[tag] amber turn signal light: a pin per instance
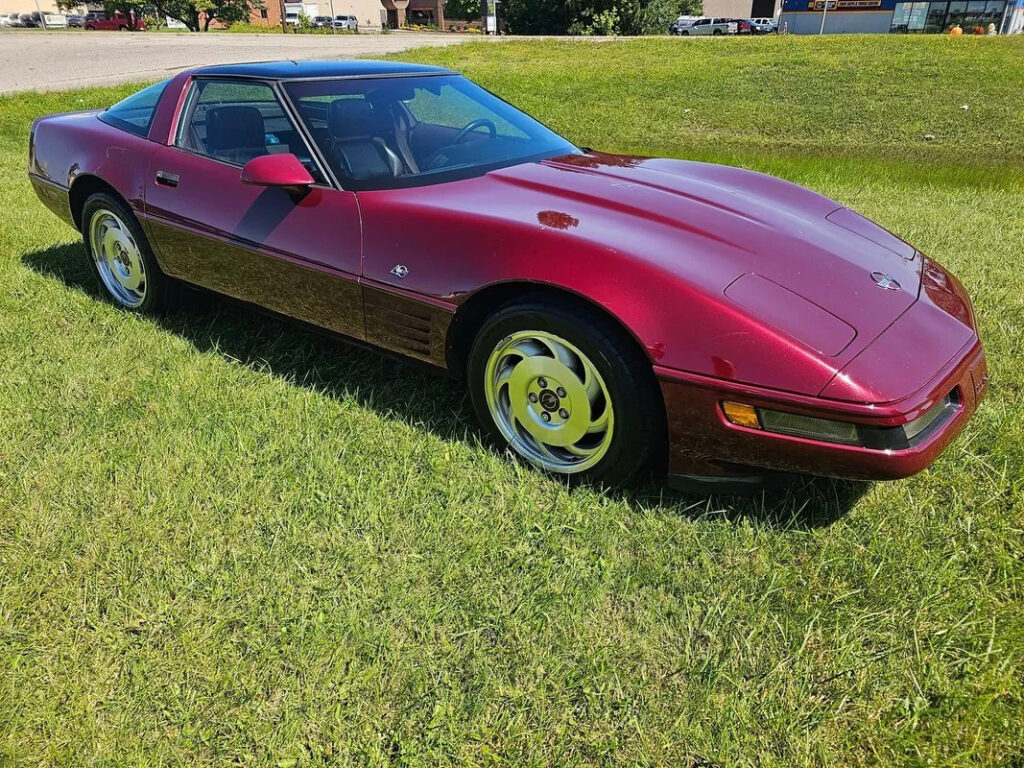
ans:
(741, 415)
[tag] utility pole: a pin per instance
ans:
(824, 12)
(334, 29)
(284, 23)
(42, 19)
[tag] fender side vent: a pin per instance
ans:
(406, 326)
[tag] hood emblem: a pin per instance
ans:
(400, 271)
(886, 281)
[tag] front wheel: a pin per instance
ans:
(567, 390)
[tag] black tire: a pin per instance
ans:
(717, 32)
(158, 287)
(685, 33)
(638, 436)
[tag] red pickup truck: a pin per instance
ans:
(116, 20)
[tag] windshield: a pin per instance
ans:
(384, 133)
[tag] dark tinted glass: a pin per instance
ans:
(135, 114)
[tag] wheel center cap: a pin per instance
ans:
(548, 400)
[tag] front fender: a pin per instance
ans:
(455, 242)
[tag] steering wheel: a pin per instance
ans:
(468, 128)
(480, 122)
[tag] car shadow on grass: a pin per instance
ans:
(417, 396)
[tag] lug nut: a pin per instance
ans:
(542, 382)
(533, 397)
(563, 413)
(560, 391)
(546, 416)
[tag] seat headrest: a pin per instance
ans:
(354, 119)
(234, 127)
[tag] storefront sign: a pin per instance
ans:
(843, 5)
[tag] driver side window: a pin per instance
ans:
(236, 121)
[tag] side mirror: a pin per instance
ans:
(282, 170)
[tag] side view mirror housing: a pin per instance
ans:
(282, 170)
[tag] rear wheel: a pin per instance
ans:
(567, 390)
(121, 258)
(717, 32)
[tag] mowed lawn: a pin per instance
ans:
(228, 541)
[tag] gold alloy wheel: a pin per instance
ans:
(118, 258)
(549, 401)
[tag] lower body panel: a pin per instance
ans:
(705, 447)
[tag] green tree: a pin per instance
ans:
(195, 14)
(655, 16)
(626, 17)
(463, 10)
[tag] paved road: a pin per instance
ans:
(51, 61)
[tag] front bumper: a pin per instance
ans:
(705, 447)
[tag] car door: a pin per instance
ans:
(295, 253)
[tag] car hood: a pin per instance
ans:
(799, 261)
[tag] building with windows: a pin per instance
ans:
(8, 7)
(426, 12)
(367, 12)
(928, 16)
(371, 14)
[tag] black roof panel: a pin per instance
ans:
(284, 70)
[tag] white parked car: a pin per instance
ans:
(346, 22)
(682, 23)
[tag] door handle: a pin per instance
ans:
(166, 179)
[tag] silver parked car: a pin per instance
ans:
(346, 22)
(766, 22)
(711, 26)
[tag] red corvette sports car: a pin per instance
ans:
(608, 313)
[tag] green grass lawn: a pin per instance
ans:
(226, 541)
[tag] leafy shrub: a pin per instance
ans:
(604, 23)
